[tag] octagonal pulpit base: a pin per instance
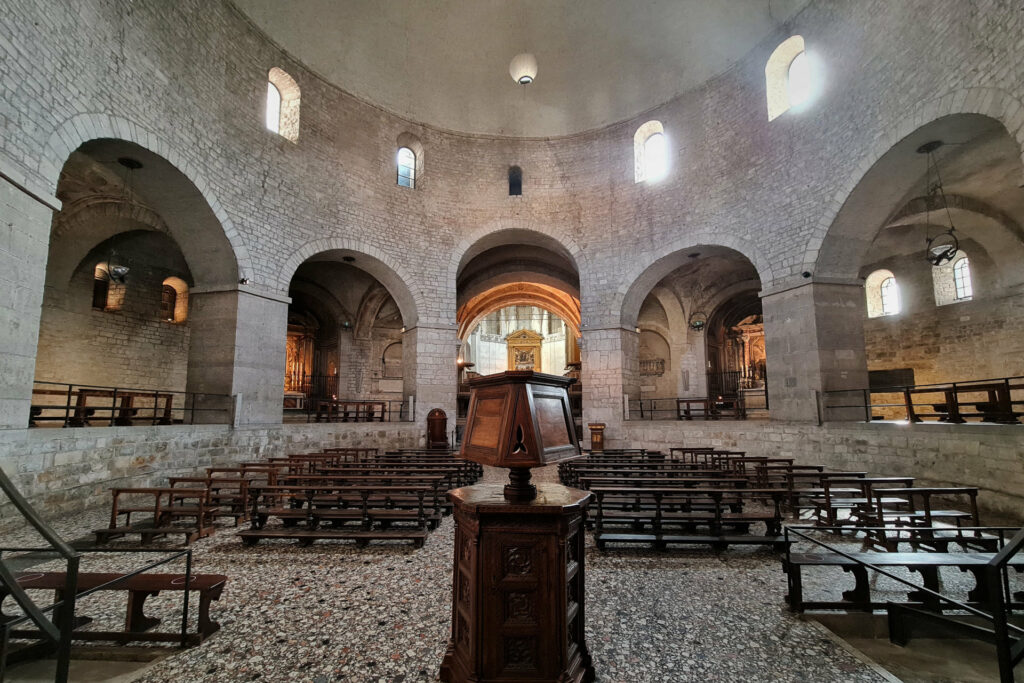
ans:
(518, 590)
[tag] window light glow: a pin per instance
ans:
(406, 168)
(273, 108)
(655, 157)
(800, 81)
(962, 279)
(890, 296)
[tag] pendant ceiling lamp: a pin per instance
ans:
(943, 247)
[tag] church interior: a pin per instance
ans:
(535, 340)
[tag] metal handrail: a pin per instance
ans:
(955, 603)
(996, 575)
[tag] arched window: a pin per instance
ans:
(409, 161)
(515, 181)
(100, 288)
(890, 293)
(962, 279)
(282, 112)
(790, 80)
(174, 300)
(650, 152)
(406, 167)
(273, 108)
(952, 282)
(882, 292)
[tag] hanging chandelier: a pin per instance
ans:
(943, 247)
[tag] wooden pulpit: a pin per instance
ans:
(518, 585)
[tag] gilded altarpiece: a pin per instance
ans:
(524, 350)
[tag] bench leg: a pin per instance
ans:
(796, 588)
(206, 625)
(137, 621)
(930, 578)
(980, 592)
(860, 596)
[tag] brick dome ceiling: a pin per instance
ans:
(446, 62)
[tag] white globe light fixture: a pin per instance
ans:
(523, 68)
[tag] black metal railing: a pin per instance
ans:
(1009, 638)
(356, 410)
(91, 405)
(56, 622)
(689, 408)
(999, 400)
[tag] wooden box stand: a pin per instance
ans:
(518, 591)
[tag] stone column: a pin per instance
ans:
(610, 360)
(434, 346)
(237, 346)
(814, 340)
(25, 235)
(693, 359)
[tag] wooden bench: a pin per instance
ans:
(659, 515)
(139, 588)
(859, 597)
(916, 516)
(302, 510)
(230, 495)
(167, 505)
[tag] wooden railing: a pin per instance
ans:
(999, 400)
(87, 405)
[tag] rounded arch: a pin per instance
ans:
(876, 305)
(519, 294)
(826, 252)
(512, 232)
(389, 272)
(92, 223)
(642, 278)
(85, 127)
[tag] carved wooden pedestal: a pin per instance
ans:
(517, 600)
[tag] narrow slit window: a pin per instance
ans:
(800, 80)
(406, 168)
(515, 181)
(273, 108)
(100, 289)
(655, 157)
(962, 279)
(168, 301)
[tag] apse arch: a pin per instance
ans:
(639, 282)
(389, 272)
(827, 251)
(489, 237)
(190, 185)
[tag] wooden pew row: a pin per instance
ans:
(167, 505)
(666, 515)
(303, 510)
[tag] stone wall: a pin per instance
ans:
(129, 346)
(990, 457)
(65, 471)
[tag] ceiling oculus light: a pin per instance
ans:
(523, 68)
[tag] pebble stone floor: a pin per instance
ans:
(332, 612)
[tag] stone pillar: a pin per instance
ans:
(25, 236)
(693, 359)
(610, 365)
(237, 346)
(434, 348)
(814, 339)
